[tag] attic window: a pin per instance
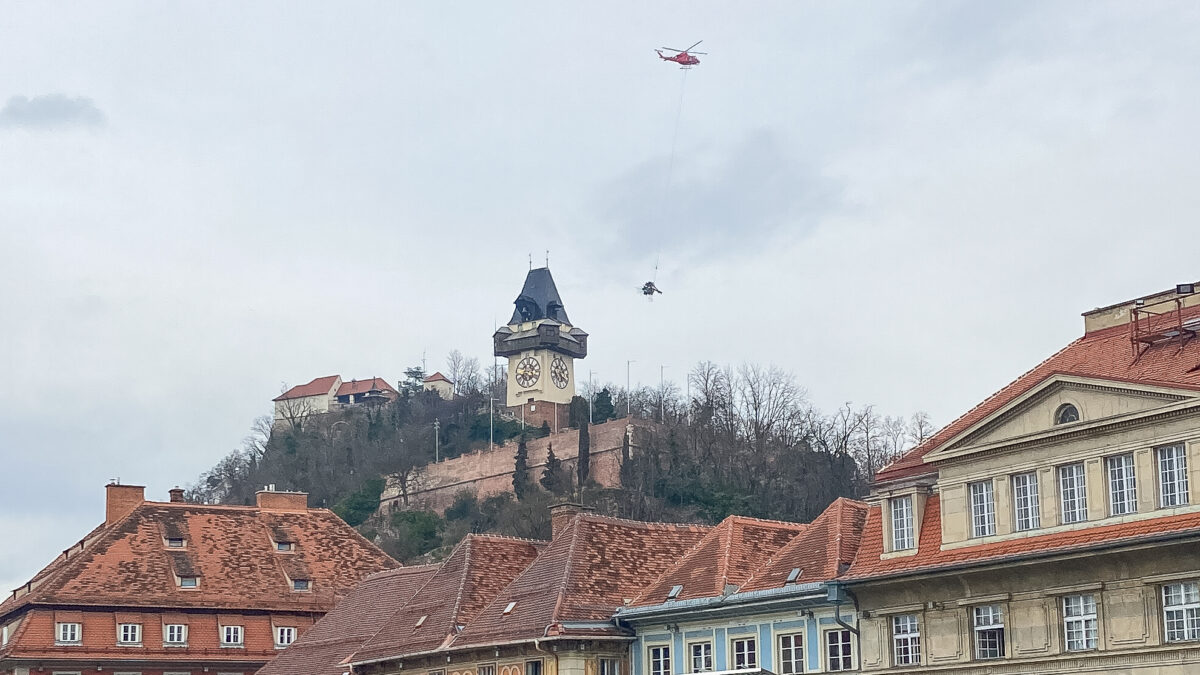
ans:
(793, 575)
(175, 542)
(284, 546)
(189, 582)
(1066, 414)
(421, 621)
(509, 608)
(301, 585)
(675, 591)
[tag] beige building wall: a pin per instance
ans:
(576, 657)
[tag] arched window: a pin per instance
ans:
(1066, 413)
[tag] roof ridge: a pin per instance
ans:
(507, 537)
(575, 524)
(645, 524)
(462, 582)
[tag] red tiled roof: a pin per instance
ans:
(822, 552)
(323, 648)
(726, 556)
(363, 386)
(230, 549)
(929, 556)
(593, 565)
(319, 386)
(1103, 354)
(438, 377)
(480, 567)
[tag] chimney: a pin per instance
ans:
(121, 500)
(176, 495)
(269, 499)
(562, 514)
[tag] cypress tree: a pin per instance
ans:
(520, 479)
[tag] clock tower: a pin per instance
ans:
(541, 346)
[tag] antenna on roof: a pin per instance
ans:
(531, 261)
(547, 258)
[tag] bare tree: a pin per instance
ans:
(294, 411)
(920, 427)
(454, 368)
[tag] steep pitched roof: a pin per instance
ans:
(590, 568)
(930, 557)
(230, 550)
(824, 551)
(1103, 354)
(319, 386)
(474, 574)
(726, 556)
(437, 377)
(539, 299)
(324, 647)
(363, 386)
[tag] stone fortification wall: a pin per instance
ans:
(490, 472)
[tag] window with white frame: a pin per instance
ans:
(902, 523)
(906, 640)
(4, 636)
(791, 653)
(1026, 506)
(129, 633)
(487, 669)
(610, 667)
(175, 634)
(837, 650)
(1072, 493)
(1122, 485)
(988, 623)
(67, 633)
(702, 657)
(1172, 475)
(284, 635)
(231, 636)
(1079, 622)
(745, 653)
(983, 509)
(660, 660)
(1181, 611)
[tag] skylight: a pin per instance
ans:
(508, 609)
(421, 621)
(675, 591)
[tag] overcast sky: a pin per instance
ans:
(904, 204)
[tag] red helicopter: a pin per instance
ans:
(684, 57)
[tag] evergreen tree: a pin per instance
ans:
(520, 479)
(583, 467)
(602, 407)
(554, 478)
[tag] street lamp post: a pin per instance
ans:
(437, 441)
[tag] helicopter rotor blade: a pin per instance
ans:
(693, 46)
(700, 53)
(672, 49)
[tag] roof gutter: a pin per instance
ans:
(710, 604)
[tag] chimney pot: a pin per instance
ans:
(562, 514)
(176, 495)
(121, 500)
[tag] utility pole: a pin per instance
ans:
(437, 441)
(591, 396)
(628, 392)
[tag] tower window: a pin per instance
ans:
(1066, 414)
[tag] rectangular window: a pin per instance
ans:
(791, 654)
(175, 634)
(1122, 485)
(301, 585)
(129, 633)
(284, 546)
(906, 640)
(702, 657)
(837, 650)
(533, 668)
(745, 653)
(284, 635)
(983, 509)
(1079, 622)
(231, 636)
(989, 632)
(1028, 509)
(487, 669)
(1181, 611)
(67, 633)
(610, 667)
(1172, 476)
(188, 582)
(1072, 493)
(902, 523)
(660, 660)
(174, 542)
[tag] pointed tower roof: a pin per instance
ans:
(539, 299)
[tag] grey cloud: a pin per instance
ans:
(50, 111)
(757, 188)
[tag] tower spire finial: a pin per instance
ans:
(531, 261)
(547, 258)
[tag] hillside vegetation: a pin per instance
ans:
(746, 442)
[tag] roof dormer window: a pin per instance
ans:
(189, 582)
(1066, 414)
(285, 546)
(175, 542)
(301, 585)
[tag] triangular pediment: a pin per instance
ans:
(1034, 412)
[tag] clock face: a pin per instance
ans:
(529, 371)
(559, 374)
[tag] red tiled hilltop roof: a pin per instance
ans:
(930, 558)
(480, 567)
(824, 551)
(319, 386)
(589, 570)
(726, 556)
(355, 387)
(323, 648)
(1103, 354)
(437, 377)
